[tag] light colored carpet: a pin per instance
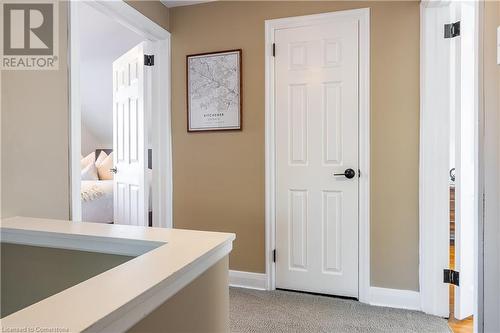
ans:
(281, 311)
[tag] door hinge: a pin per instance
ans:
(274, 49)
(452, 30)
(451, 277)
(274, 255)
(149, 60)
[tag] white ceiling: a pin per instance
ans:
(171, 4)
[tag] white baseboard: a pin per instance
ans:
(395, 298)
(248, 280)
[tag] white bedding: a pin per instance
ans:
(97, 200)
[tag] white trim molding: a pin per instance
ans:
(248, 280)
(162, 186)
(128, 16)
(363, 17)
(437, 79)
(434, 160)
(395, 298)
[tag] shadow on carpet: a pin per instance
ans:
(281, 311)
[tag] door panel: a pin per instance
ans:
(298, 229)
(332, 154)
(298, 124)
(129, 138)
(332, 231)
(316, 75)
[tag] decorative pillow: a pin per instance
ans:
(103, 168)
(89, 159)
(90, 172)
(100, 158)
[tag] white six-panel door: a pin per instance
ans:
(129, 138)
(316, 76)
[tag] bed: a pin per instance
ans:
(97, 201)
(97, 196)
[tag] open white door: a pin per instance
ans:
(466, 160)
(130, 105)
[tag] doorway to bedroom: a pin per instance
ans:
(103, 42)
(120, 132)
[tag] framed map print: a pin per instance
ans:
(214, 91)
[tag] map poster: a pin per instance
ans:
(214, 91)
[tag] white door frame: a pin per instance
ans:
(363, 17)
(126, 15)
(434, 207)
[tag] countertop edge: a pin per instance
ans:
(197, 250)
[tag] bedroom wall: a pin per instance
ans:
(34, 131)
(90, 142)
(219, 177)
(102, 41)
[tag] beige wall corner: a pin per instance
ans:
(491, 99)
(201, 306)
(34, 151)
(154, 10)
(219, 177)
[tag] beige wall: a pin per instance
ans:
(154, 10)
(219, 177)
(35, 177)
(202, 306)
(34, 138)
(491, 233)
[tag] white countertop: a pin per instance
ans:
(118, 298)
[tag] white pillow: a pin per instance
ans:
(100, 158)
(89, 159)
(103, 168)
(90, 172)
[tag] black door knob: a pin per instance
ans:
(348, 173)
